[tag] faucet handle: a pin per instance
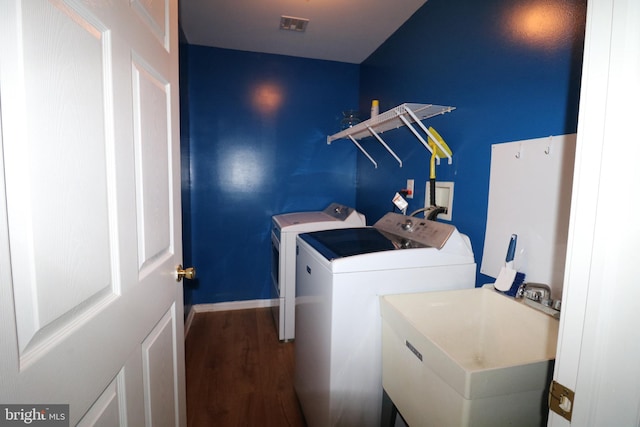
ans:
(547, 302)
(538, 292)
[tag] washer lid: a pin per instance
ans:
(335, 215)
(301, 218)
(346, 242)
(393, 231)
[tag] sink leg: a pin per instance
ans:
(389, 411)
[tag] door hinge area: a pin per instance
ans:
(561, 400)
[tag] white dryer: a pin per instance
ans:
(285, 228)
(340, 275)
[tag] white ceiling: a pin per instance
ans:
(338, 30)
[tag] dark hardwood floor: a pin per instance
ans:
(238, 373)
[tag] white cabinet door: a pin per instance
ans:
(598, 347)
(91, 314)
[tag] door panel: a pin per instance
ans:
(110, 408)
(154, 14)
(90, 310)
(58, 202)
(153, 180)
(158, 355)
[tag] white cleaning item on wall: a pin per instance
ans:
(507, 274)
(530, 195)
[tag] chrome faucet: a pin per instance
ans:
(539, 295)
(538, 292)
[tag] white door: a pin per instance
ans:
(599, 345)
(91, 314)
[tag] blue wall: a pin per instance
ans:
(255, 127)
(507, 81)
(257, 138)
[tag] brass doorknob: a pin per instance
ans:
(187, 273)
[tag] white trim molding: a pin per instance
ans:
(226, 306)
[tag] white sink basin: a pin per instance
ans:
(466, 358)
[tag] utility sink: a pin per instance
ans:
(470, 357)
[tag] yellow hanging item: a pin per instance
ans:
(436, 150)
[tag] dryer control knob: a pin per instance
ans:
(408, 225)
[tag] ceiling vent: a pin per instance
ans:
(293, 24)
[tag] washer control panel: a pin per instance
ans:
(338, 211)
(411, 232)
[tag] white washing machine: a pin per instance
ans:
(284, 230)
(340, 275)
